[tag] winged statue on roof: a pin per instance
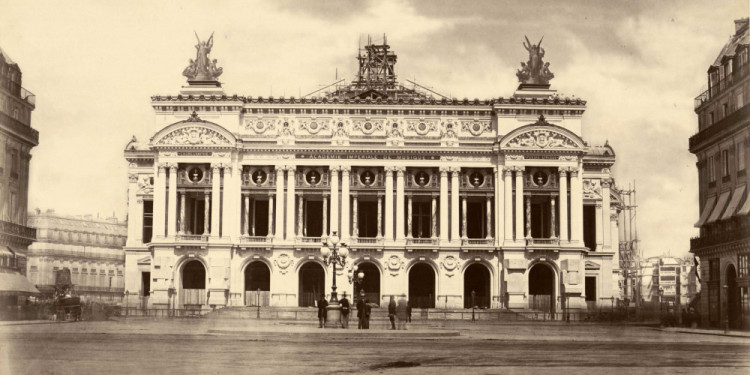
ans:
(203, 68)
(534, 71)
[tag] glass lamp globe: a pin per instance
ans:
(344, 252)
(325, 251)
(361, 275)
(333, 240)
(355, 268)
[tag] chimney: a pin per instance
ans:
(740, 24)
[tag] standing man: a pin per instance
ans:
(345, 308)
(322, 313)
(401, 312)
(361, 311)
(368, 310)
(392, 312)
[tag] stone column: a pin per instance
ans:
(409, 223)
(599, 227)
(607, 234)
(519, 203)
(325, 216)
(335, 198)
(508, 212)
(252, 218)
(433, 218)
(290, 203)
(563, 174)
(206, 213)
(270, 215)
(552, 216)
(499, 206)
(615, 241)
(160, 200)
(463, 218)
(576, 207)
(228, 203)
(133, 228)
(380, 216)
(444, 204)
(279, 211)
(300, 227)
(355, 224)
(172, 201)
(400, 203)
(345, 211)
(528, 217)
(388, 203)
(247, 215)
(455, 173)
(489, 217)
(216, 199)
(182, 213)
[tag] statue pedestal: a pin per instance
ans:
(333, 314)
(533, 91)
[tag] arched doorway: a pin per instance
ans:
(312, 278)
(257, 284)
(477, 279)
(542, 288)
(734, 314)
(193, 288)
(370, 283)
(422, 286)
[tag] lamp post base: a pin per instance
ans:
(333, 315)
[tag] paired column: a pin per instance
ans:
(409, 219)
(355, 227)
(455, 173)
(172, 200)
(519, 203)
(489, 217)
(552, 216)
(345, 218)
(216, 198)
(400, 203)
(599, 227)
(563, 204)
(508, 220)
(279, 214)
(433, 219)
(270, 215)
(576, 207)
(463, 217)
(380, 216)
(182, 213)
(300, 227)
(528, 217)
(290, 204)
(230, 206)
(206, 213)
(247, 215)
(133, 209)
(389, 203)
(325, 215)
(335, 198)
(499, 205)
(443, 204)
(607, 235)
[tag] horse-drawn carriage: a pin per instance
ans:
(66, 307)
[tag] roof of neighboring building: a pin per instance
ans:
(740, 37)
(88, 224)
(6, 57)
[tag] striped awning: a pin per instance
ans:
(734, 202)
(745, 207)
(16, 284)
(706, 211)
(723, 198)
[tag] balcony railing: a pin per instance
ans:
(19, 127)
(18, 230)
(28, 96)
(726, 123)
(732, 230)
(722, 85)
(256, 239)
(476, 241)
(311, 240)
(422, 241)
(367, 240)
(542, 242)
(191, 237)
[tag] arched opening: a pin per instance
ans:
(542, 288)
(312, 278)
(257, 284)
(422, 286)
(370, 283)
(734, 312)
(193, 288)
(477, 280)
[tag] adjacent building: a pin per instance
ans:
(17, 138)
(667, 279)
(722, 147)
(434, 197)
(92, 249)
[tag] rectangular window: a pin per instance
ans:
(739, 99)
(711, 118)
(589, 226)
(148, 220)
(725, 162)
(740, 154)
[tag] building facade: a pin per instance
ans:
(91, 249)
(17, 138)
(668, 279)
(435, 197)
(722, 147)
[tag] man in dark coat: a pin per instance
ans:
(322, 313)
(345, 308)
(360, 313)
(368, 310)
(392, 312)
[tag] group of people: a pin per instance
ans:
(400, 311)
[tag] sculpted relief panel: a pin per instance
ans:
(194, 135)
(541, 139)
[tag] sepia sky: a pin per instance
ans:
(94, 66)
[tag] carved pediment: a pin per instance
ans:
(542, 135)
(194, 136)
(591, 265)
(145, 261)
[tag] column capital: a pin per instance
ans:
(290, 168)
(599, 204)
(573, 171)
(519, 169)
(271, 194)
(388, 171)
(172, 167)
(162, 165)
(444, 169)
(345, 169)
(216, 166)
(133, 178)
(334, 168)
(606, 183)
(508, 171)
(279, 168)
(400, 171)
(563, 171)
(455, 169)
(614, 217)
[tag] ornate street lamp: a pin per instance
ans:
(357, 278)
(334, 253)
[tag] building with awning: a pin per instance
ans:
(722, 147)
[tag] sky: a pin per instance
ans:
(639, 64)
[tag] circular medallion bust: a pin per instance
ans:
(422, 178)
(476, 179)
(312, 177)
(259, 177)
(195, 175)
(367, 178)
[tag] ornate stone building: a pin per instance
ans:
(91, 249)
(722, 147)
(435, 197)
(17, 138)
